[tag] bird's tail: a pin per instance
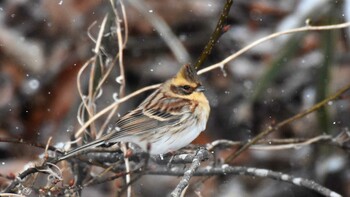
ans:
(81, 148)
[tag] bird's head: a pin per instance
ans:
(186, 84)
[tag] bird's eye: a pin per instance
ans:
(186, 87)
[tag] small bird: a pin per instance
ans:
(167, 120)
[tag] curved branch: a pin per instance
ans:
(269, 37)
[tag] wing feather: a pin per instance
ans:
(151, 118)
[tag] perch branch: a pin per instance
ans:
(248, 171)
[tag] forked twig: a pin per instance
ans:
(182, 185)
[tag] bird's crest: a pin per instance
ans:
(188, 73)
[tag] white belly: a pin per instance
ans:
(171, 142)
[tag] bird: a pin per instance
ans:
(168, 119)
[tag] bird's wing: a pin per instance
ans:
(151, 116)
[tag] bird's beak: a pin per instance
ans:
(200, 88)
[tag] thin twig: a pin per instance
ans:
(90, 107)
(125, 20)
(111, 114)
(47, 147)
(121, 45)
(142, 170)
(269, 37)
(293, 145)
(100, 35)
(272, 144)
(110, 107)
(10, 194)
(84, 104)
(99, 181)
(219, 30)
(38, 145)
(127, 168)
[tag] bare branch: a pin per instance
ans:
(180, 188)
(247, 171)
(219, 30)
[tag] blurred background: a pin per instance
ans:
(43, 44)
